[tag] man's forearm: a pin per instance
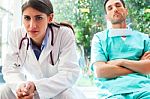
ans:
(142, 66)
(104, 70)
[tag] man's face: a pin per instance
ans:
(116, 13)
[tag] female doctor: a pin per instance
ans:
(41, 62)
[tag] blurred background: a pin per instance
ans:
(87, 18)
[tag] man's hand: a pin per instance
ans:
(146, 56)
(26, 91)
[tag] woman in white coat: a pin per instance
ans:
(41, 62)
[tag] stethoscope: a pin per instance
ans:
(25, 38)
(57, 25)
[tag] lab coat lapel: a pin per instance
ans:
(32, 56)
(32, 63)
(46, 51)
(30, 51)
(34, 66)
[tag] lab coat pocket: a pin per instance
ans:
(53, 69)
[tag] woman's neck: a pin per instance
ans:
(37, 42)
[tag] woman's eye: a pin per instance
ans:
(39, 18)
(27, 18)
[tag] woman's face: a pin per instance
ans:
(36, 23)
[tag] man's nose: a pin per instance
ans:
(115, 9)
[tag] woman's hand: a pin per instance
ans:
(26, 91)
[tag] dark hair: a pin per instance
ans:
(108, 0)
(44, 6)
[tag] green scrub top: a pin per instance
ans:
(107, 46)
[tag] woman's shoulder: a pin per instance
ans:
(63, 27)
(66, 32)
(19, 31)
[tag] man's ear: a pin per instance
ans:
(106, 17)
(50, 17)
(126, 11)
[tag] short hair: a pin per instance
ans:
(108, 0)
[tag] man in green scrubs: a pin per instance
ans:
(120, 57)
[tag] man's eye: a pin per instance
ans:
(109, 8)
(27, 18)
(118, 5)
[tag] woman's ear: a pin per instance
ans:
(50, 17)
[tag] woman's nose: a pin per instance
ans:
(32, 24)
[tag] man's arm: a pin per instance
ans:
(106, 70)
(120, 67)
(142, 66)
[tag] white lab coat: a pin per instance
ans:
(49, 80)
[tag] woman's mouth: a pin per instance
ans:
(32, 31)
